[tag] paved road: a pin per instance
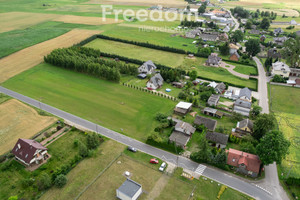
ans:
(230, 69)
(271, 182)
(209, 172)
(237, 24)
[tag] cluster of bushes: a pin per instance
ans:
(170, 75)
(144, 44)
(192, 24)
(293, 181)
(240, 12)
(279, 79)
(87, 60)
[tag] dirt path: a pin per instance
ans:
(231, 70)
(159, 186)
(25, 59)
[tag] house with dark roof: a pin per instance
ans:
(245, 163)
(213, 100)
(193, 33)
(243, 107)
(147, 68)
(155, 82)
(210, 124)
(255, 32)
(278, 31)
(244, 127)
(274, 53)
(219, 139)
(213, 60)
(182, 108)
(129, 190)
(280, 40)
(220, 88)
(212, 112)
(182, 133)
(29, 152)
(209, 36)
(245, 94)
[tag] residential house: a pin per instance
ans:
(210, 124)
(182, 133)
(226, 29)
(129, 190)
(254, 32)
(213, 100)
(274, 53)
(245, 94)
(245, 163)
(293, 22)
(278, 31)
(192, 33)
(280, 68)
(213, 60)
(182, 108)
(223, 37)
(295, 72)
(244, 127)
(29, 152)
(209, 36)
(212, 112)
(280, 40)
(243, 107)
(219, 139)
(219, 13)
(147, 68)
(155, 82)
(220, 88)
(233, 48)
(177, 84)
(212, 84)
(234, 57)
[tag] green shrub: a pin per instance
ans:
(44, 182)
(60, 181)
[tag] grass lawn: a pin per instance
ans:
(110, 104)
(88, 170)
(288, 118)
(16, 40)
(244, 69)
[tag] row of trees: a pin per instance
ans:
(191, 24)
(88, 60)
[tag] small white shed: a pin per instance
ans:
(129, 190)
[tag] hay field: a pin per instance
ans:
(72, 19)
(18, 120)
(169, 3)
(31, 56)
(20, 20)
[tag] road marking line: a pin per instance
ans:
(200, 169)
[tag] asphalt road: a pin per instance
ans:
(209, 172)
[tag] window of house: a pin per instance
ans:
(233, 160)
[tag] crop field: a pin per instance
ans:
(20, 20)
(86, 20)
(112, 105)
(177, 3)
(288, 118)
(25, 59)
(171, 59)
(18, 120)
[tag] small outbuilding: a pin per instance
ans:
(182, 108)
(210, 124)
(129, 190)
(213, 100)
(219, 139)
(212, 112)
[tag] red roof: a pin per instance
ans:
(26, 148)
(236, 158)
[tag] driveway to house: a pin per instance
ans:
(231, 70)
(271, 181)
(239, 184)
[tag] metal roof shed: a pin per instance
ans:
(129, 190)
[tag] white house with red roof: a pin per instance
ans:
(246, 163)
(29, 151)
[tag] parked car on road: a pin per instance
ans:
(154, 161)
(132, 149)
(162, 167)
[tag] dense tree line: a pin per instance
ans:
(88, 60)
(240, 12)
(186, 23)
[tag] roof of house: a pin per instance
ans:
(236, 158)
(226, 29)
(213, 59)
(220, 87)
(149, 65)
(254, 31)
(233, 46)
(210, 110)
(280, 39)
(184, 127)
(236, 54)
(212, 84)
(298, 33)
(280, 66)
(210, 124)
(278, 30)
(217, 137)
(129, 188)
(184, 105)
(213, 99)
(206, 36)
(157, 80)
(245, 123)
(245, 92)
(242, 103)
(26, 148)
(179, 138)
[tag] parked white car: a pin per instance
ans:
(162, 167)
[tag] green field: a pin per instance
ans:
(109, 104)
(244, 69)
(284, 103)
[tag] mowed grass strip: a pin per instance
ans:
(20, 20)
(110, 104)
(25, 59)
(18, 120)
(86, 20)
(86, 171)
